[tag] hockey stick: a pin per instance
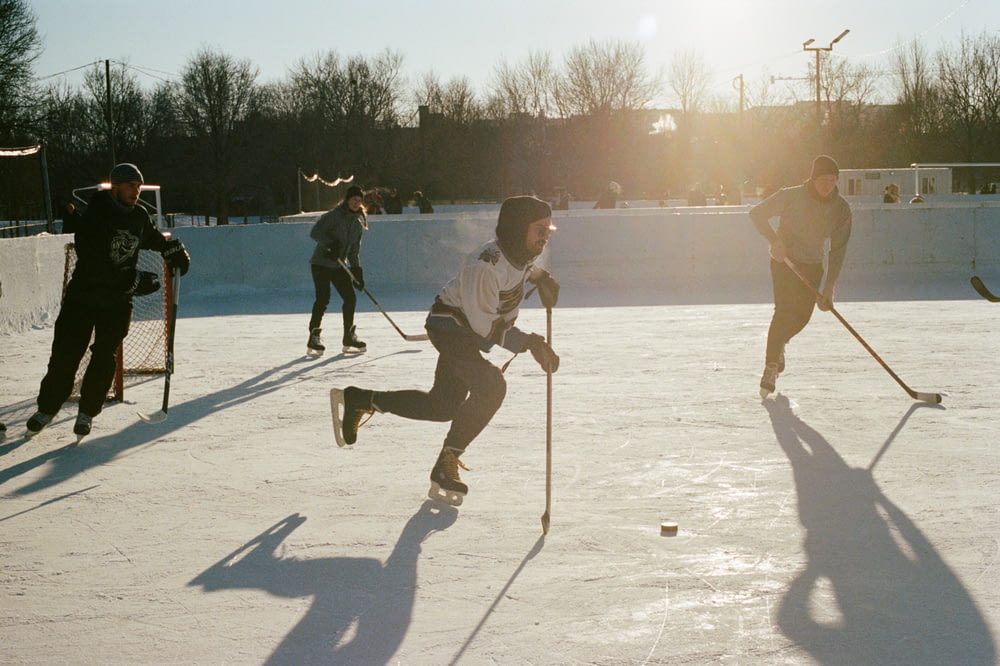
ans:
(916, 395)
(161, 416)
(548, 428)
(412, 338)
(981, 289)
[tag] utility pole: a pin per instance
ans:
(816, 50)
(111, 121)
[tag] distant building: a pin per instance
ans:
(872, 182)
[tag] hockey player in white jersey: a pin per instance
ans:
(474, 311)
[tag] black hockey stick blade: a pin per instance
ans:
(934, 398)
(416, 337)
(982, 290)
(161, 415)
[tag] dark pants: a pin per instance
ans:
(322, 278)
(793, 305)
(468, 390)
(76, 322)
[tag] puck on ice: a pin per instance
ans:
(668, 528)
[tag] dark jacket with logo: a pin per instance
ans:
(108, 241)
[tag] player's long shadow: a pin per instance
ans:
(68, 461)
(874, 590)
(361, 607)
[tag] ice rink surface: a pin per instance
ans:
(838, 523)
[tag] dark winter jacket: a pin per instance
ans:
(108, 240)
(805, 221)
(338, 236)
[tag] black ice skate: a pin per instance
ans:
(768, 379)
(446, 486)
(38, 421)
(82, 426)
(315, 345)
(352, 345)
(348, 406)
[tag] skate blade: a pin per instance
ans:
(444, 496)
(314, 353)
(336, 407)
(764, 393)
(354, 350)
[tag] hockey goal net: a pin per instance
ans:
(144, 349)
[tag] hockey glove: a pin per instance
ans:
(176, 256)
(544, 356)
(143, 284)
(359, 277)
(548, 289)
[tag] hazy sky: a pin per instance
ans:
(757, 38)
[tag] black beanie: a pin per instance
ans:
(125, 172)
(516, 214)
(824, 165)
(354, 191)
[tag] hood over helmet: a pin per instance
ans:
(516, 214)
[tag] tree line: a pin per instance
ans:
(223, 144)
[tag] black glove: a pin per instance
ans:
(143, 284)
(548, 289)
(543, 353)
(359, 277)
(176, 256)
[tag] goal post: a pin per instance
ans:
(144, 349)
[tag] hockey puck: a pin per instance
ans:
(668, 528)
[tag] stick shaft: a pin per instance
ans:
(548, 430)
(384, 313)
(925, 397)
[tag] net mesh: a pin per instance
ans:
(144, 350)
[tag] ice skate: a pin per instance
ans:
(348, 406)
(446, 486)
(315, 346)
(768, 379)
(353, 345)
(38, 421)
(82, 426)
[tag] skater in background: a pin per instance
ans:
(99, 296)
(609, 197)
(891, 193)
(808, 215)
(338, 235)
(475, 311)
(422, 203)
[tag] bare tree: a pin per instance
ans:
(218, 95)
(918, 100)
(455, 100)
(524, 88)
(127, 122)
(20, 46)
(601, 78)
(689, 79)
(969, 77)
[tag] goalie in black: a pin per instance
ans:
(99, 296)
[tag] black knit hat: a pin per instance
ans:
(516, 214)
(824, 165)
(124, 173)
(354, 191)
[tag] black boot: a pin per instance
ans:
(315, 344)
(352, 345)
(445, 482)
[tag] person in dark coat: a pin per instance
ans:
(99, 295)
(338, 235)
